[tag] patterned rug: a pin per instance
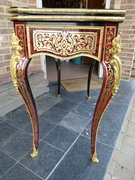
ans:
(80, 84)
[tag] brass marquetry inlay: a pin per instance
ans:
(64, 26)
(20, 28)
(65, 42)
(110, 32)
(64, 10)
(66, 18)
(65, 34)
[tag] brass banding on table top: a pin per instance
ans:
(65, 11)
(67, 18)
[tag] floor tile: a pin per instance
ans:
(66, 105)
(6, 131)
(53, 90)
(1, 120)
(17, 145)
(74, 122)
(63, 92)
(110, 126)
(54, 115)
(60, 137)
(90, 102)
(87, 130)
(47, 121)
(125, 92)
(18, 118)
(45, 161)
(77, 96)
(77, 165)
(94, 93)
(113, 117)
(84, 110)
(19, 172)
(6, 162)
(45, 126)
(45, 102)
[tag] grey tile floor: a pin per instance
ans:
(64, 130)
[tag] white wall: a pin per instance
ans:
(39, 3)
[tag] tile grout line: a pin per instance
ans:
(66, 152)
(9, 169)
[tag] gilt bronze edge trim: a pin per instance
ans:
(65, 10)
(64, 27)
(64, 58)
(67, 18)
(100, 43)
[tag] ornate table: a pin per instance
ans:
(64, 34)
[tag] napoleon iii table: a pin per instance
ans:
(64, 34)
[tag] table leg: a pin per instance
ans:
(18, 69)
(91, 66)
(112, 75)
(57, 61)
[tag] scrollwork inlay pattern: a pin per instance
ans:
(20, 29)
(65, 43)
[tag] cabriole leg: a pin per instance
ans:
(18, 69)
(112, 75)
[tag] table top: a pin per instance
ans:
(66, 14)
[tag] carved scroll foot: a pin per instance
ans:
(34, 153)
(94, 158)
